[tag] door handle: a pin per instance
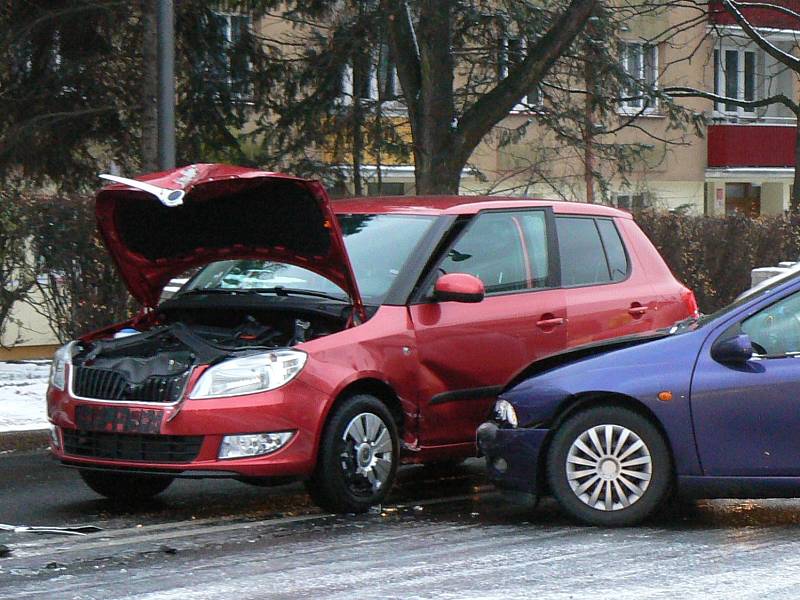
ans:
(637, 311)
(551, 322)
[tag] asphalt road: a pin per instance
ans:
(443, 535)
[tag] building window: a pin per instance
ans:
(380, 81)
(743, 199)
(735, 76)
(385, 189)
(228, 65)
(513, 51)
(640, 62)
(633, 202)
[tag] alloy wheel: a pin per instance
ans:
(367, 455)
(609, 467)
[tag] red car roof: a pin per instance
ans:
(464, 205)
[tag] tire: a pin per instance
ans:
(358, 457)
(122, 486)
(590, 481)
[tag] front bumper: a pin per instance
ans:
(512, 456)
(199, 425)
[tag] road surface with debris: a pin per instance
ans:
(444, 534)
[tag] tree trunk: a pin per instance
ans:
(437, 170)
(360, 78)
(149, 141)
(794, 203)
(437, 177)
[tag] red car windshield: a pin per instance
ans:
(378, 246)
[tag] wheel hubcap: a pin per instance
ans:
(367, 455)
(609, 467)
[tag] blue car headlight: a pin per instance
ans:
(504, 413)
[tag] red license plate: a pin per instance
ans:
(118, 419)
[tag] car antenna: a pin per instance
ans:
(166, 196)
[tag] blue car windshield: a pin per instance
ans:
(745, 297)
(378, 246)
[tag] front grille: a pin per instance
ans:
(133, 447)
(105, 384)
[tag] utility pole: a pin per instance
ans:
(149, 97)
(166, 84)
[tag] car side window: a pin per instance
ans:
(775, 330)
(615, 250)
(534, 232)
(505, 250)
(583, 258)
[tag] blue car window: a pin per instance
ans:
(775, 330)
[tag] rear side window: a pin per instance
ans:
(583, 256)
(615, 251)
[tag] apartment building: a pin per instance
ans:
(742, 162)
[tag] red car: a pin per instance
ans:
(331, 342)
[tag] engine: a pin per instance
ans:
(154, 365)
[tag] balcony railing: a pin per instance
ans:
(751, 145)
(758, 17)
(720, 118)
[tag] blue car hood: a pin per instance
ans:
(562, 358)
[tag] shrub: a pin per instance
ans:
(17, 276)
(78, 285)
(714, 256)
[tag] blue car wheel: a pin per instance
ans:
(609, 466)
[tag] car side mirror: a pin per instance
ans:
(736, 349)
(458, 287)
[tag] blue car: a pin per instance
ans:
(709, 408)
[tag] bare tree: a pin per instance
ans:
(443, 140)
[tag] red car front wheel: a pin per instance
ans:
(358, 456)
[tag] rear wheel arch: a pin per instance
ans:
(584, 401)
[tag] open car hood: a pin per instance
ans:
(224, 212)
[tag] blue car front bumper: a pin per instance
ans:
(512, 456)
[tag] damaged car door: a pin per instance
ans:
(468, 350)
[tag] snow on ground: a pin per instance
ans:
(22, 395)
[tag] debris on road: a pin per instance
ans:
(76, 530)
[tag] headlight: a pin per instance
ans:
(250, 374)
(58, 369)
(258, 444)
(505, 413)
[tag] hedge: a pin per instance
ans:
(714, 255)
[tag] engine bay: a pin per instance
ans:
(154, 365)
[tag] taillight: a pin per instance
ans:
(691, 303)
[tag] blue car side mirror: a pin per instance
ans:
(736, 349)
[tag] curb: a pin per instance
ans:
(17, 441)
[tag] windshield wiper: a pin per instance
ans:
(197, 291)
(284, 291)
(277, 290)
